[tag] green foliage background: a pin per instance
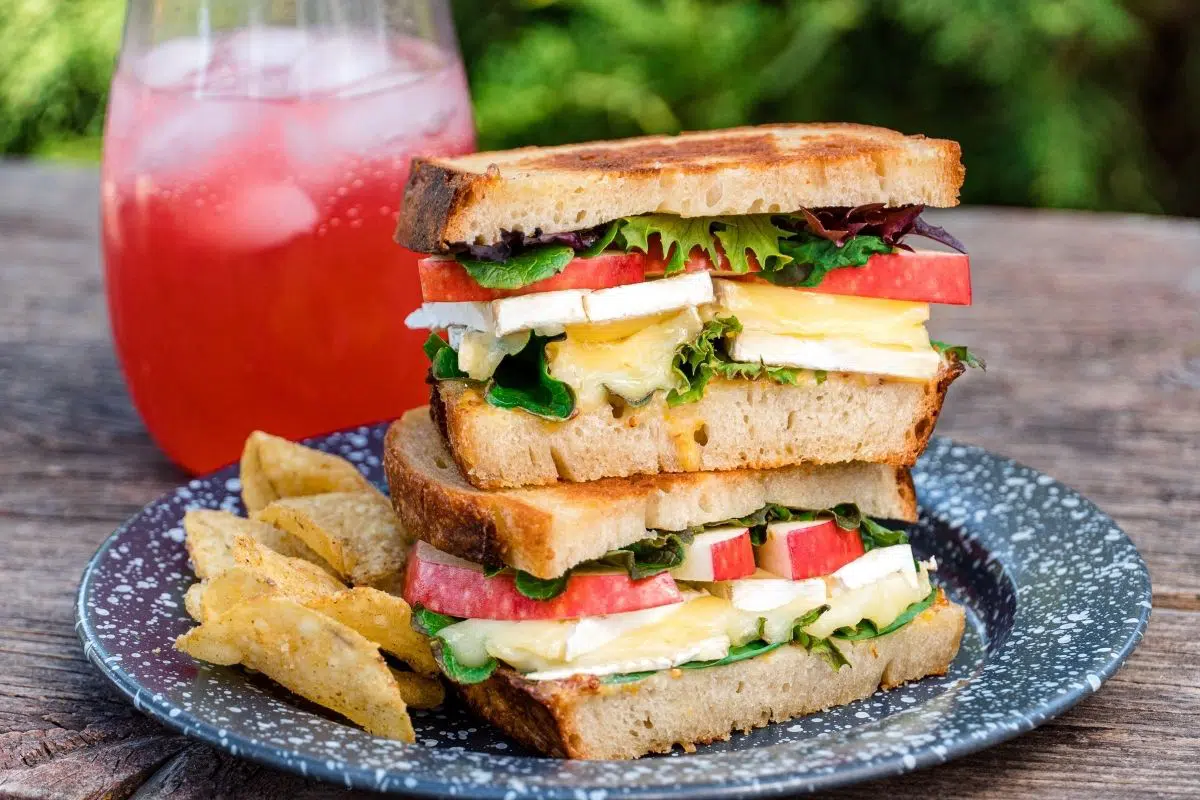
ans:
(1075, 103)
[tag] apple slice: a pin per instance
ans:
(449, 585)
(445, 280)
(720, 554)
(799, 550)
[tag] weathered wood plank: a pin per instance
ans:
(1092, 334)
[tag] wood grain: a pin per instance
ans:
(1091, 328)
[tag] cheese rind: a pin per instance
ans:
(529, 311)
(649, 298)
(440, 316)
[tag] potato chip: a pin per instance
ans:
(294, 576)
(356, 532)
(419, 691)
(384, 619)
(273, 467)
(193, 601)
(309, 653)
(210, 535)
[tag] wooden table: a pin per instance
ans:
(1091, 328)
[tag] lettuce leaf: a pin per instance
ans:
(523, 381)
(813, 257)
(867, 630)
(520, 381)
(651, 556)
(755, 234)
(696, 363)
(443, 360)
(430, 623)
(737, 653)
(540, 588)
(824, 648)
(677, 235)
(521, 270)
(959, 352)
(607, 235)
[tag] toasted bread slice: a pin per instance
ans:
(547, 530)
(738, 424)
(767, 169)
(583, 717)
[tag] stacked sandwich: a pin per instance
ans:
(677, 383)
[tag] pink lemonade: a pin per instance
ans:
(250, 194)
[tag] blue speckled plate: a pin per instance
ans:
(1056, 596)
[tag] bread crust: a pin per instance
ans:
(771, 168)
(582, 717)
(546, 530)
(743, 425)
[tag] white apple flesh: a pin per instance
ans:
(720, 554)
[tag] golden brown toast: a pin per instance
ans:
(738, 424)
(547, 530)
(765, 169)
(583, 717)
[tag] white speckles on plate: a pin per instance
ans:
(1057, 597)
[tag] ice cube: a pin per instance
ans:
(264, 48)
(408, 107)
(257, 217)
(183, 138)
(336, 64)
(176, 63)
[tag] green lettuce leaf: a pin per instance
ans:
(678, 236)
(696, 363)
(601, 244)
(443, 360)
(737, 653)
(693, 360)
(431, 623)
(824, 648)
(812, 258)
(520, 381)
(753, 233)
(959, 352)
(523, 381)
(752, 371)
(867, 630)
(540, 588)
(650, 556)
(875, 535)
(519, 271)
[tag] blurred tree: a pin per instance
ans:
(1076, 103)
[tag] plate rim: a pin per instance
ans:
(188, 724)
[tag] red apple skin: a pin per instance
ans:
(444, 280)
(707, 560)
(459, 589)
(818, 550)
(733, 558)
(922, 276)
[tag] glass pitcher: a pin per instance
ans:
(254, 160)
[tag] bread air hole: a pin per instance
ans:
(441, 463)
(701, 435)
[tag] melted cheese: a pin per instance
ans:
(783, 310)
(701, 628)
(632, 367)
(480, 353)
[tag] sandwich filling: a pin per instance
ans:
(657, 304)
(688, 599)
